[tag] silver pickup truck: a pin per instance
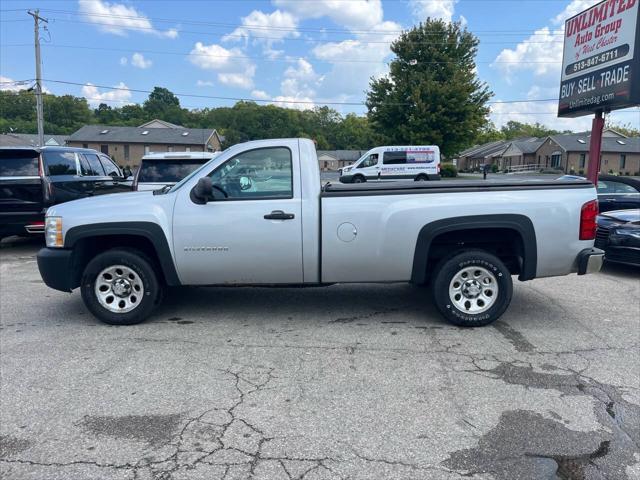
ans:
(257, 215)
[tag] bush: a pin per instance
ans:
(494, 168)
(448, 170)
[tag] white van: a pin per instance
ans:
(157, 170)
(394, 163)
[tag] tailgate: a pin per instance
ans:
(21, 187)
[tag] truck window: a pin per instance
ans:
(257, 174)
(372, 161)
(61, 163)
(94, 163)
(18, 163)
(109, 167)
(394, 158)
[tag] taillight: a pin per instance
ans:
(588, 223)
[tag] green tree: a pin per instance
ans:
(513, 129)
(432, 94)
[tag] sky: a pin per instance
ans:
(293, 53)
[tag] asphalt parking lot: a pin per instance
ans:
(358, 382)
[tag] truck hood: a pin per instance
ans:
(114, 202)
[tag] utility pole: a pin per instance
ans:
(40, 115)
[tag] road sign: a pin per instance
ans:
(601, 60)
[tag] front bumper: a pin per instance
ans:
(56, 268)
(590, 261)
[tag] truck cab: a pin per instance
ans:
(419, 163)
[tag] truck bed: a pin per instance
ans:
(411, 187)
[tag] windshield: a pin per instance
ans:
(164, 171)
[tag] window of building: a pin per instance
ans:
(126, 153)
(169, 148)
(556, 160)
(261, 173)
(85, 145)
(623, 161)
(188, 149)
(104, 149)
(146, 149)
(583, 159)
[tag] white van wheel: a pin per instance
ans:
(421, 178)
(359, 179)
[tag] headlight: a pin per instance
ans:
(635, 233)
(53, 232)
(346, 169)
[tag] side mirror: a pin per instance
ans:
(203, 191)
(126, 172)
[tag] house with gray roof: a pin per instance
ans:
(127, 145)
(31, 140)
(332, 160)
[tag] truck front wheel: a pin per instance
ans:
(359, 179)
(472, 289)
(121, 287)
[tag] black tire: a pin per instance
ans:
(142, 266)
(421, 178)
(359, 179)
(450, 267)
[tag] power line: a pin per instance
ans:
(301, 39)
(220, 24)
(262, 58)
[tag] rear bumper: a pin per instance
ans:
(56, 269)
(21, 224)
(590, 261)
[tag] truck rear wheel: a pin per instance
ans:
(121, 287)
(472, 289)
(421, 178)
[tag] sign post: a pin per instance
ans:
(600, 67)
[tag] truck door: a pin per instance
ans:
(369, 167)
(254, 236)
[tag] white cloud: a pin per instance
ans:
(276, 26)
(354, 14)
(260, 95)
(118, 18)
(95, 97)
(124, 61)
(138, 61)
(442, 9)
(8, 84)
(540, 53)
(204, 83)
(574, 8)
(297, 102)
(352, 78)
(232, 68)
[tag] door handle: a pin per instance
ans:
(279, 215)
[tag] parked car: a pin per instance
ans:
(614, 192)
(394, 163)
(619, 236)
(158, 170)
(257, 215)
(32, 179)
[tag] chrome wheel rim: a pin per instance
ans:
(473, 290)
(119, 289)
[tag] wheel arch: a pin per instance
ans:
(520, 225)
(88, 240)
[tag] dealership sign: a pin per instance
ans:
(601, 62)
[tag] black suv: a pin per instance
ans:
(32, 179)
